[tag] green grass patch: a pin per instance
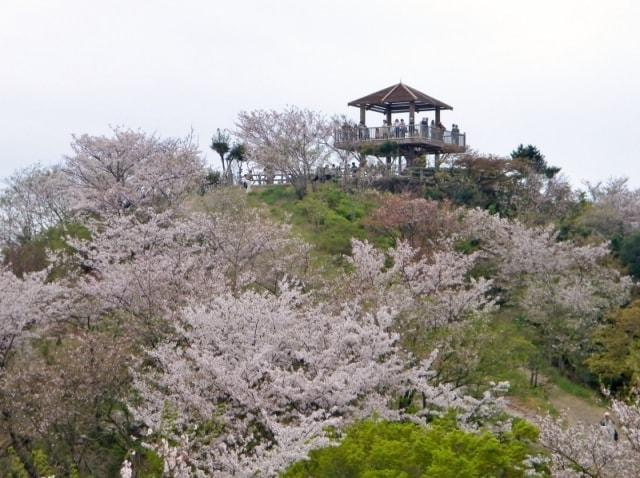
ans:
(572, 388)
(327, 218)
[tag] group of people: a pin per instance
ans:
(433, 131)
(329, 172)
(455, 134)
(396, 130)
(400, 129)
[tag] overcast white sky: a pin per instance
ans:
(563, 74)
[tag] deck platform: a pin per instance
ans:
(426, 138)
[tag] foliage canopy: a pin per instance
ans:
(378, 449)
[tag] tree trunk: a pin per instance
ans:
(533, 377)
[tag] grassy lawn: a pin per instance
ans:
(328, 218)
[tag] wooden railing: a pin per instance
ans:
(262, 178)
(335, 173)
(357, 134)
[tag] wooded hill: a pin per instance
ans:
(158, 320)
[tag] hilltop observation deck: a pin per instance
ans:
(413, 138)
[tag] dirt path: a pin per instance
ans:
(575, 408)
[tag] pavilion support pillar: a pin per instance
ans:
(436, 162)
(388, 169)
(437, 116)
(363, 113)
(412, 113)
(410, 157)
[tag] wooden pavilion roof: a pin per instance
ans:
(397, 98)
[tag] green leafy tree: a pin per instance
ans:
(376, 449)
(228, 152)
(386, 153)
(534, 158)
(630, 253)
(220, 143)
(238, 153)
(41, 463)
(16, 466)
(617, 364)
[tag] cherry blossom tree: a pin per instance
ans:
(247, 248)
(29, 306)
(615, 207)
(139, 264)
(26, 305)
(435, 295)
(150, 264)
(257, 379)
(129, 169)
(292, 141)
(344, 155)
(64, 394)
(541, 199)
(564, 289)
(32, 201)
(428, 291)
(267, 375)
(595, 450)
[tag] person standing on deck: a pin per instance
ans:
(362, 131)
(424, 127)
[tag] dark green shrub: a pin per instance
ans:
(31, 256)
(630, 253)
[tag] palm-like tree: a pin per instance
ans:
(238, 153)
(220, 144)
